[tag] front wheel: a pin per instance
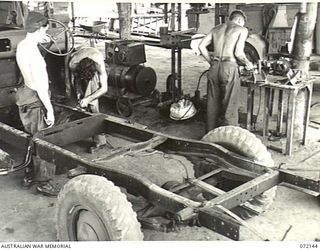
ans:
(91, 208)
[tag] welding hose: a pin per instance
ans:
(198, 86)
(202, 74)
(24, 164)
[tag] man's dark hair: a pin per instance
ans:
(237, 13)
(83, 73)
(86, 69)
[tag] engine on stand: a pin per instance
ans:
(130, 82)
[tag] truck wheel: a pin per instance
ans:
(91, 208)
(247, 144)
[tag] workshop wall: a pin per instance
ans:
(61, 11)
(255, 15)
(202, 20)
(4, 12)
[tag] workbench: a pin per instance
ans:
(269, 86)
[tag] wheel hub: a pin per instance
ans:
(89, 227)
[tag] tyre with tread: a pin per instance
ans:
(243, 142)
(90, 207)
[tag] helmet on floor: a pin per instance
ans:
(182, 110)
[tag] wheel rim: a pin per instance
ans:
(53, 40)
(86, 225)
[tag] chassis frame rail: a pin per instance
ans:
(47, 144)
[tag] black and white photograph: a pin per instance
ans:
(174, 121)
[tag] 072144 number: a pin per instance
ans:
(309, 245)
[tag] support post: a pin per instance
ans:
(302, 43)
(166, 13)
(301, 51)
(124, 10)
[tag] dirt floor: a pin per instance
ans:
(28, 216)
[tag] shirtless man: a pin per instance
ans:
(33, 99)
(90, 82)
(223, 89)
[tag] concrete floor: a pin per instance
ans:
(27, 216)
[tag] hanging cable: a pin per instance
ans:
(197, 89)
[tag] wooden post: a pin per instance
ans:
(73, 19)
(166, 13)
(124, 10)
(173, 17)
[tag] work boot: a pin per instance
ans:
(48, 189)
(28, 177)
(27, 182)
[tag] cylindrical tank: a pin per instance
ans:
(137, 79)
(302, 43)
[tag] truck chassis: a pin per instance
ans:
(213, 213)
